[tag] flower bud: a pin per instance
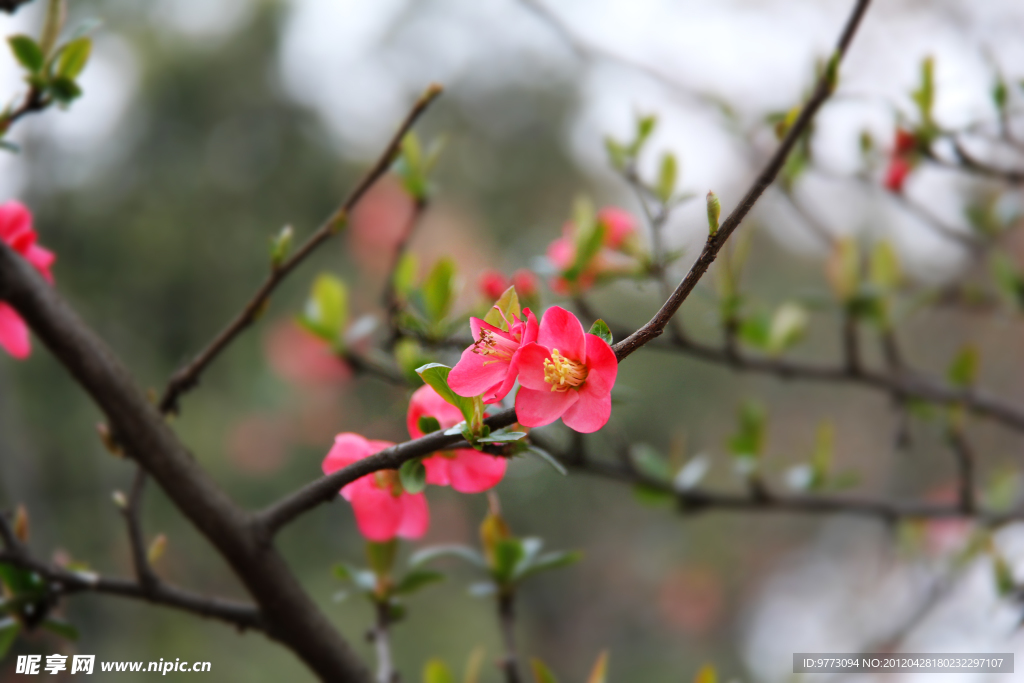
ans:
(21, 524)
(714, 212)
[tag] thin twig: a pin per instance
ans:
(381, 636)
(964, 455)
(507, 621)
(143, 570)
(392, 303)
(187, 376)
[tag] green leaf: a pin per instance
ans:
(61, 628)
(549, 561)
(27, 52)
(326, 313)
(417, 579)
(617, 154)
(501, 436)
(748, 442)
(1005, 583)
(428, 424)
(73, 58)
(963, 371)
(924, 96)
(755, 330)
(503, 309)
(654, 496)
(650, 463)
(589, 236)
(381, 556)
(9, 629)
(667, 177)
(600, 329)
(644, 127)
(413, 476)
(999, 94)
(437, 671)
(463, 552)
(436, 375)
(439, 290)
(507, 554)
(787, 327)
(64, 90)
(884, 267)
(361, 578)
(821, 458)
(404, 279)
(548, 458)
(541, 673)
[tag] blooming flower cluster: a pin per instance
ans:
(16, 232)
(493, 284)
(902, 161)
(615, 251)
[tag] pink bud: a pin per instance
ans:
(896, 174)
(526, 283)
(906, 142)
(619, 226)
(493, 284)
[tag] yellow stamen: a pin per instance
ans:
(563, 373)
(389, 481)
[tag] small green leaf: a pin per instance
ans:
(650, 463)
(617, 154)
(1005, 583)
(748, 442)
(413, 476)
(27, 52)
(924, 96)
(437, 671)
(326, 313)
(381, 556)
(963, 371)
(417, 579)
(600, 329)
(361, 578)
(999, 94)
(9, 629)
(428, 424)
(73, 58)
(439, 290)
(463, 552)
(541, 673)
(548, 562)
(644, 127)
(787, 328)
(281, 246)
(507, 554)
(884, 266)
(472, 408)
(654, 496)
(404, 279)
(667, 177)
(502, 436)
(547, 458)
(503, 309)
(61, 628)
(714, 212)
(64, 90)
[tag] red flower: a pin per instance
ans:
(487, 368)
(382, 507)
(16, 231)
(905, 142)
(565, 374)
(619, 226)
(896, 174)
(466, 470)
(526, 284)
(493, 284)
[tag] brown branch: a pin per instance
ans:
(187, 376)
(715, 242)
(147, 578)
(507, 621)
(975, 165)
(964, 455)
(293, 618)
(326, 488)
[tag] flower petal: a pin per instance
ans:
(474, 374)
(379, 514)
(590, 412)
(42, 259)
(426, 402)
(602, 366)
(16, 226)
(530, 366)
(348, 447)
(474, 472)
(437, 470)
(415, 516)
(538, 408)
(13, 333)
(560, 329)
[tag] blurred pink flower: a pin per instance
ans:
(466, 470)
(565, 374)
(16, 231)
(493, 284)
(379, 222)
(258, 444)
(615, 256)
(692, 599)
(382, 507)
(619, 226)
(526, 283)
(299, 356)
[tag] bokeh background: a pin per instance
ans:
(205, 127)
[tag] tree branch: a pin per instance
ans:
(188, 376)
(715, 242)
(147, 578)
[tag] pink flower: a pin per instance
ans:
(383, 509)
(526, 284)
(565, 374)
(896, 174)
(619, 226)
(466, 470)
(493, 284)
(487, 368)
(16, 231)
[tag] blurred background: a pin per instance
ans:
(205, 127)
